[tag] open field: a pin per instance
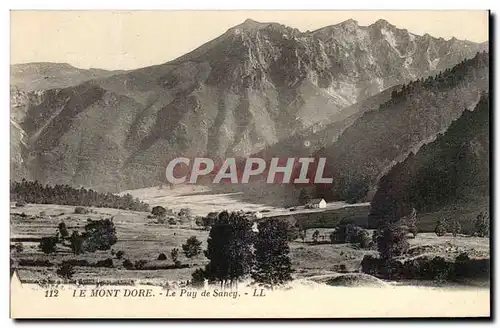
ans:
(202, 199)
(141, 238)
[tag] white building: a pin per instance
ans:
(316, 203)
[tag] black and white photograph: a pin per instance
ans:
(231, 164)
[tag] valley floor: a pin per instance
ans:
(142, 238)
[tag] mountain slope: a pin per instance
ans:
(452, 171)
(381, 138)
(253, 86)
(44, 76)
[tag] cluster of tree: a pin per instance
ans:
(481, 226)
(352, 188)
(35, 192)
(236, 251)
(444, 80)
(433, 268)
(453, 168)
(98, 235)
(348, 233)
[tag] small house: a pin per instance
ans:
(316, 203)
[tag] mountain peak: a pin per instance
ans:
(382, 23)
(250, 24)
(349, 22)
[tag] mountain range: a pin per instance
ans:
(259, 87)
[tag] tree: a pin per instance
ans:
(161, 257)
(192, 247)
(63, 231)
(346, 232)
(412, 222)
(175, 256)
(456, 228)
(304, 197)
(229, 248)
(119, 254)
(159, 211)
(315, 236)
(364, 239)
(99, 235)
(302, 235)
(440, 228)
(482, 225)
(392, 240)
(48, 244)
(273, 265)
(293, 231)
(185, 212)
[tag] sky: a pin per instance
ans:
(134, 39)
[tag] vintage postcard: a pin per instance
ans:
(250, 164)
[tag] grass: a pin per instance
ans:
(142, 239)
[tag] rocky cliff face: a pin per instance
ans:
(253, 86)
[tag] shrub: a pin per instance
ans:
(48, 244)
(175, 256)
(119, 254)
(364, 239)
(65, 270)
(160, 220)
(19, 247)
(35, 263)
(159, 211)
(20, 203)
(172, 221)
(140, 264)
(441, 270)
(107, 263)
(462, 265)
(75, 262)
(63, 231)
(440, 228)
(198, 278)
(370, 264)
(162, 257)
(185, 212)
(192, 247)
(315, 236)
(81, 210)
(199, 221)
(127, 264)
